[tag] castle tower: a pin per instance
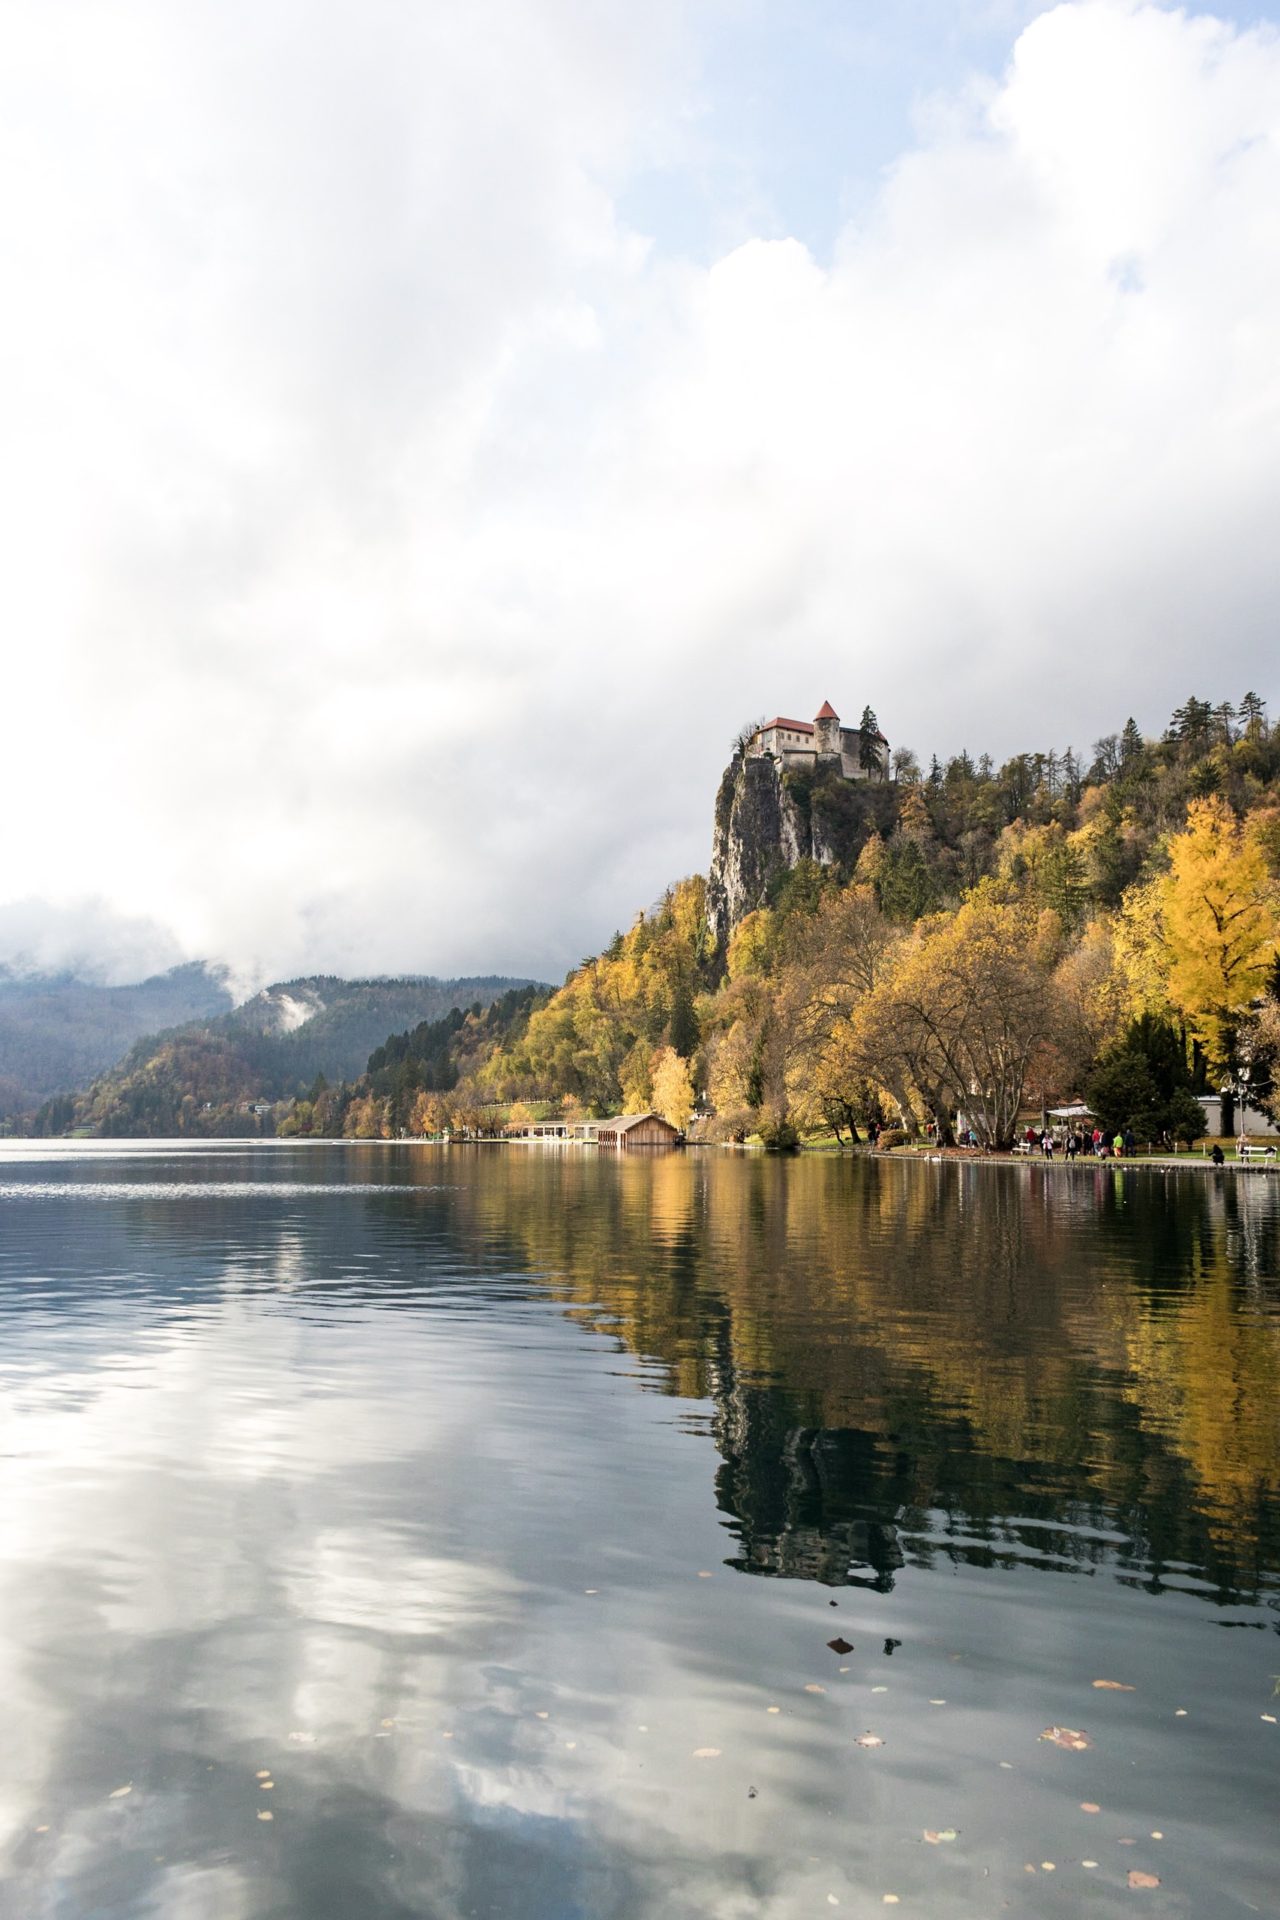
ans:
(826, 730)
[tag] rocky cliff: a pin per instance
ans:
(768, 821)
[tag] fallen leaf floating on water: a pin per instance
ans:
(706, 1753)
(1090, 1806)
(1137, 1879)
(263, 1814)
(1088, 1863)
(773, 1709)
(938, 1836)
(120, 1792)
(1047, 1866)
(846, 1646)
(1068, 1737)
(1269, 1718)
(868, 1740)
(263, 1773)
(1113, 1686)
(705, 1575)
(813, 1687)
(891, 1900)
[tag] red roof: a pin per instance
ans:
(827, 712)
(796, 726)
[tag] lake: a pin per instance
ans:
(398, 1531)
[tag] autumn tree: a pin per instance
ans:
(672, 1087)
(835, 960)
(968, 1007)
(1221, 926)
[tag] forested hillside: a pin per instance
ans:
(57, 1032)
(230, 1073)
(1057, 926)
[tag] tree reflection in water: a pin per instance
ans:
(1069, 1368)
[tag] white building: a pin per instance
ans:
(1257, 1125)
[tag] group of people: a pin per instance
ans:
(1077, 1140)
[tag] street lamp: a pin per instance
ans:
(1237, 1086)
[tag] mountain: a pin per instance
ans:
(59, 1032)
(207, 1076)
(298, 1029)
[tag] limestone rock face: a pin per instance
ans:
(768, 820)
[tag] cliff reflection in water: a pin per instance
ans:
(914, 1363)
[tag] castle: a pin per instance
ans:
(819, 743)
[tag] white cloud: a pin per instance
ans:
(84, 937)
(399, 540)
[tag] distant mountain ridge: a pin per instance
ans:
(60, 1031)
(322, 1024)
(209, 1074)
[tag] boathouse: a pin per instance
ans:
(636, 1130)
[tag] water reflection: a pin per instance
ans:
(422, 1485)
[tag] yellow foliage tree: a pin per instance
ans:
(965, 1011)
(1094, 998)
(1141, 950)
(751, 945)
(1221, 924)
(672, 1087)
(636, 1079)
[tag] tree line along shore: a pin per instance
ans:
(1001, 941)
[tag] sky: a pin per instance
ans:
(430, 432)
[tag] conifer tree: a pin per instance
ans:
(684, 1022)
(869, 743)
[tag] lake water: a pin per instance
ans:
(483, 1517)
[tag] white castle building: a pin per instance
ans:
(809, 743)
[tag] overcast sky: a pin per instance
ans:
(430, 430)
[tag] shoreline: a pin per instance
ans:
(57, 1145)
(1164, 1163)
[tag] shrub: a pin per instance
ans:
(891, 1137)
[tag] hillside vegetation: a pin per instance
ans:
(58, 1032)
(1048, 929)
(245, 1070)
